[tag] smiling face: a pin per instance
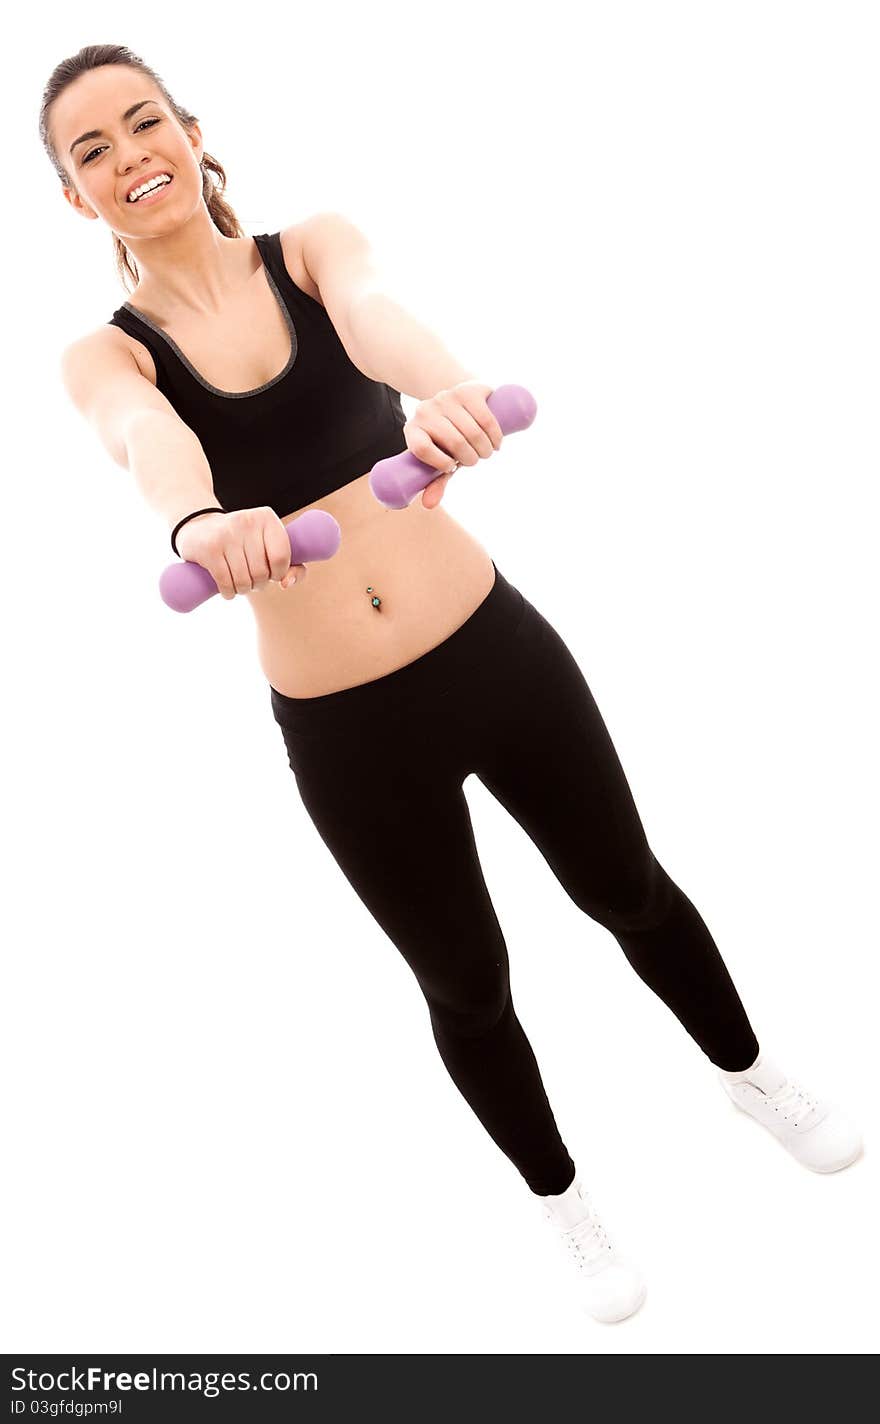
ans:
(138, 136)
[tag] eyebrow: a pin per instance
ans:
(98, 133)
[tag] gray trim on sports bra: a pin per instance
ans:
(229, 395)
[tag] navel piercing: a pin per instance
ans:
(375, 600)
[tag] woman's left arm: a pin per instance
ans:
(388, 344)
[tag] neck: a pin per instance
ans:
(194, 268)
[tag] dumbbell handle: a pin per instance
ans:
(313, 536)
(396, 481)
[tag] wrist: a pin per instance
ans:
(191, 519)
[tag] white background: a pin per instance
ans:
(230, 1128)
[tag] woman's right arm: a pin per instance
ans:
(142, 431)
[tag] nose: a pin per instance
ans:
(131, 165)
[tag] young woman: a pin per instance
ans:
(251, 378)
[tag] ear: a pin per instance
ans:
(194, 134)
(79, 204)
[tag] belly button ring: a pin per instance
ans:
(376, 601)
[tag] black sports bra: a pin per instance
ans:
(314, 427)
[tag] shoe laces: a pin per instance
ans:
(792, 1102)
(587, 1240)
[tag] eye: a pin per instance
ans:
(137, 126)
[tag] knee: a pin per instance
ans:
(473, 1004)
(641, 900)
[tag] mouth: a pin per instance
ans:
(152, 197)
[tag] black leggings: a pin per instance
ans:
(380, 767)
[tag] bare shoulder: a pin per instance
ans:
(98, 339)
(111, 338)
(292, 245)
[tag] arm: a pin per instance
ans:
(169, 465)
(381, 338)
(142, 431)
(137, 425)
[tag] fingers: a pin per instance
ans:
(223, 578)
(439, 442)
(456, 424)
(466, 408)
(266, 555)
(277, 545)
(243, 562)
(433, 492)
(472, 395)
(247, 563)
(295, 574)
(257, 556)
(464, 439)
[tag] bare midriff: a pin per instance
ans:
(323, 633)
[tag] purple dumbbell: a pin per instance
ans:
(396, 481)
(314, 535)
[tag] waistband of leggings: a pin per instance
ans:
(502, 608)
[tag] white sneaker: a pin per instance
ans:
(611, 1287)
(815, 1132)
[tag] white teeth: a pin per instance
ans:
(157, 182)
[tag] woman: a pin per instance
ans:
(254, 377)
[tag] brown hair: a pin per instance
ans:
(93, 57)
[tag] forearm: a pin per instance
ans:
(169, 465)
(392, 346)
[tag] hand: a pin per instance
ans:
(243, 550)
(454, 424)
